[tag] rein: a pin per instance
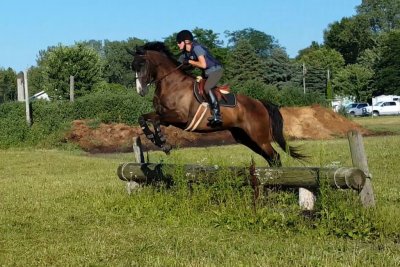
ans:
(160, 79)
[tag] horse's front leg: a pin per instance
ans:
(156, 137)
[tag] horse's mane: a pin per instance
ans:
(160, 47)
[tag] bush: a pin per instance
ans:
(50, 120)
(294, 96)
(13, 125)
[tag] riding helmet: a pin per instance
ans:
(184, 35)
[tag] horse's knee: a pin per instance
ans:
(141, 121)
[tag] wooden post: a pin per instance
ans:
(304, 77)
(71, 88)
(132, 185)
(359, 159)
(137, 149)
(20, 88)
(27, 109)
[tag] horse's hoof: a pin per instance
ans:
(167, 149)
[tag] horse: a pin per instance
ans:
(253, 123)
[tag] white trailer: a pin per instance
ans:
(385, 98)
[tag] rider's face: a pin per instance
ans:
(185, 45)
(181, 45)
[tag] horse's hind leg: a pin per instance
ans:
(259, 144)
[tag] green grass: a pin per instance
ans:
(381, 124)
(67, 208)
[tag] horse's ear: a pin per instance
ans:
(140, 50)
(130, 51)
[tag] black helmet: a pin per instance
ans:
(184, 35)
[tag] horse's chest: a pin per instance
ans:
(164, 103)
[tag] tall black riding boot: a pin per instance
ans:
(215, 119)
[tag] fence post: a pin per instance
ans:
(71, 88)
(137, 149)
(27, 108)
(359, 159)
(20, 87)
(139, 157)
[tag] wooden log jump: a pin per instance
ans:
(307, 179)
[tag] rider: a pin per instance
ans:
(198, 56)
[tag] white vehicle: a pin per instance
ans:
(358, 109)
(386, 108)
(385, 98)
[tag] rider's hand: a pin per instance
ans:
(185, 62)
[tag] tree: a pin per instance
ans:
(8, 85)
(350, 37)
(260, 41)
(314, 46)
(382, 15)
(388, 66)
(325, 58)
(244, 65)
(317, 62)
(354, 80)
(117, 61)
(278, 66)
(369, 58)
(37, 79)
(96, 45)
(60, 62)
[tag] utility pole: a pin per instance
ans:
(329, 89)
(304, 77)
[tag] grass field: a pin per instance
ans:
(382, 124)
(67, 208)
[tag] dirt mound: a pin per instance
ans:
(318, 123)
(313, 122)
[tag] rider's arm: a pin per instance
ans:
(201, 63)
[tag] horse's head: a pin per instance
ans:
(142, 69)
(150, 60)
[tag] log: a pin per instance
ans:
(306, 177)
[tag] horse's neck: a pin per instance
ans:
(175, 81)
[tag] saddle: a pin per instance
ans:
(223, 94)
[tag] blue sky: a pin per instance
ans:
(26, 27)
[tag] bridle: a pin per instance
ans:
(162, 77)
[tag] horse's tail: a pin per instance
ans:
(277, 130)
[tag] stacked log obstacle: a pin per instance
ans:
(307, 179)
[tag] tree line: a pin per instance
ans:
(360, 57)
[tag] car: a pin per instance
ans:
(386, 108)
(358, 109)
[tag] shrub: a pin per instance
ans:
(50, 119)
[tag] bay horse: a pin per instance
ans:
(251, 122)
